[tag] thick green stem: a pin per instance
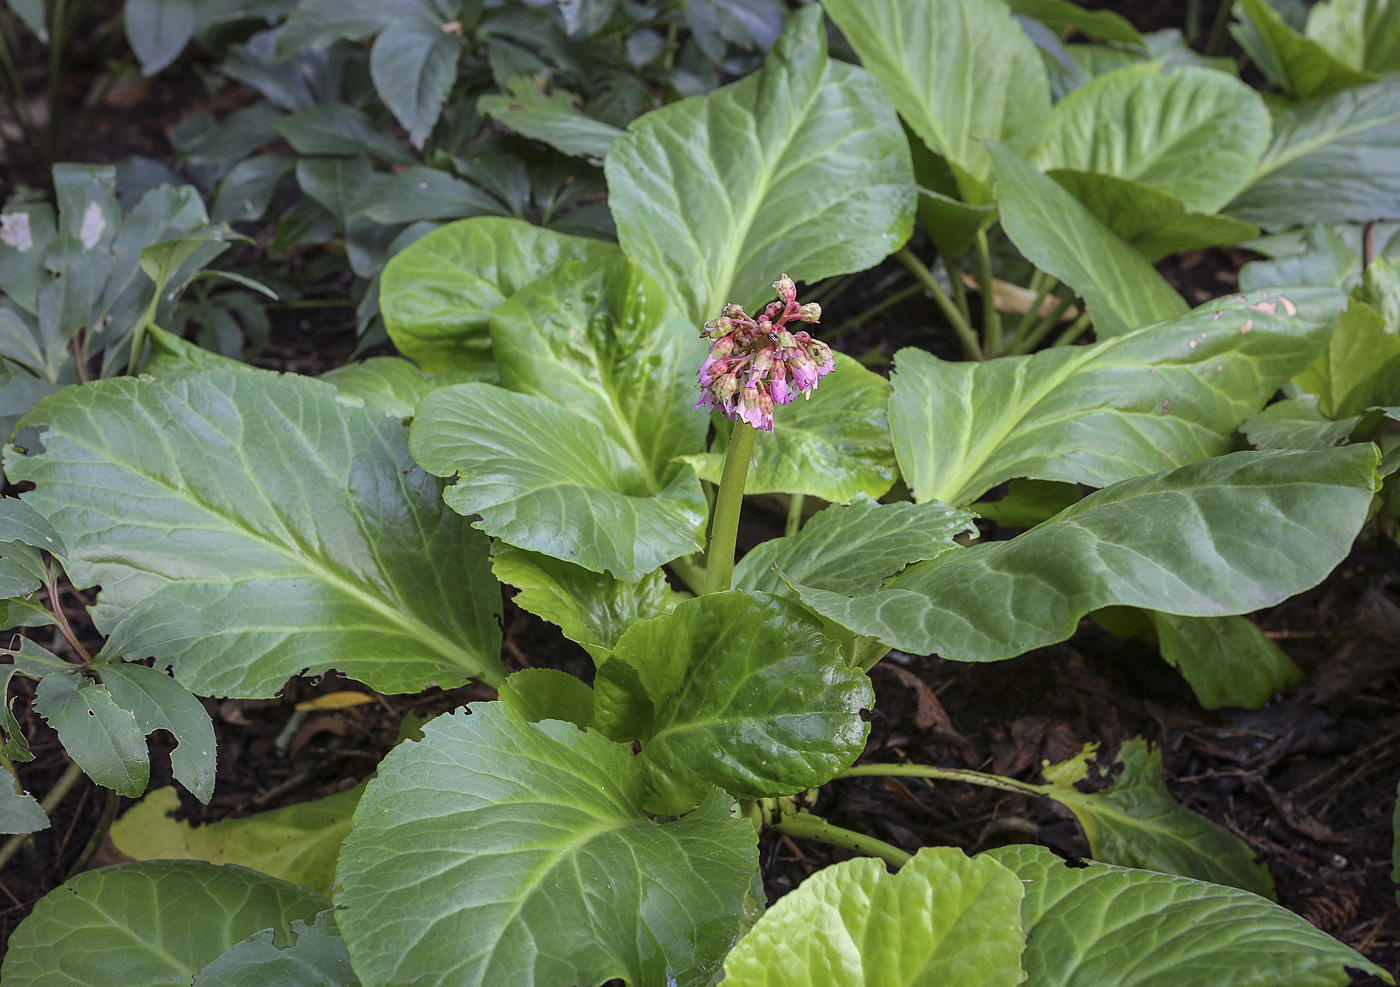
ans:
(724, 530)
(1042, 284)
(955, 278)
(991, 318)
(943, 774)
(1075, 330)
(807, 826)
(794, 519)
(960, 325)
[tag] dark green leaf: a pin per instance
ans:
(519, 853)
(158, 30)
(318, 958)
(1062, 15)
(159, 703)
(20, 812)
(413, 64)
(555, 118)
(1027, 503)
(334, 128)
(1228, 660)
(424, 193)
(549, 694)
(101, 738)
(336, 183)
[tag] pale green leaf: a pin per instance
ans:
(1359, 369)
(1303, 66)
(1362, 34)
(389, 383)
(549, 694)
(1228, 660)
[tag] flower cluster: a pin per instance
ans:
(755, 364)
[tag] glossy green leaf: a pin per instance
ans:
(303, 536)
(335, 128)
(549, 694)
(1061, 237)
(1062, 15)
(1331, 160)
(1091, 924)
(717, 195)
(1027, 503)
(545, 479)
(1360, 367)
(437, 294)
(1135, 822)
(554, 118)
(318, 958)
(413, 63)
(1304, 67)
(1362, 34)
(1296, 424)
(1195, 134)
(834, 445)
(1153, 221)
(102, 738)
(160, 703)
(601, 340)
(591, 608)
(943, 918)
(1229, 535)
(298, 843)
(20, 812)
(1228, 660)
(148, 924)
(389, 383)
(516, 853)
(733, 689)
(1164, 395)
(960, 72)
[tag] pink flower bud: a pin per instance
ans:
(782, 339)
(786, 290)
(773, 310)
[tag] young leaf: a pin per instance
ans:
(716, 195)
(1359, 369)
(1196, 134)
(16, 743)
(1063, 238)
(834, 445)
(591, 608)
(20, 812)
(318, 958)
(1225, 536)
(1296, 424)
(1305, 68)
(549, 694)
(304, 537)
(520, 853)
(153, 924)
(159, 703)
(1228, 660)
(545, 479)
(1089, 924)
(1331, 160)
(1363, 34)
(101, 738)
(1135, 822)
(438, 293)
(944, 919)
(1163, 395)
(736, 690)
(960, 72)
(298, 843)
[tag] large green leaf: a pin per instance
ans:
(318, 958)
(944, 919)
(1225, 536)
(297, 843)
(1196, 134)
(102, 738)
(437, 294)
(960, 72)
(1065, 16)
(1135, 822)
(1164, 395)
(1362, 34)
(149, 924)
(389, 383)
(736, 690)
(1331, 160)
(834, 445)
(1061, 237)
(1091, 924)
(545, 479)
(591, 608)
(602, 340)
(246, 526)
(509, 852)
(1228, 660)
(159, 703)
(717, 195)
(1299, 63)
(1359, 369)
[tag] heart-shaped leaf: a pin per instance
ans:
(736, 690)
(520, 853)
(717, 195)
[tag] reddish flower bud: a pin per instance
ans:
(786, 290)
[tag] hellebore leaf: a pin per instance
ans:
(510, 852)
(736, 690)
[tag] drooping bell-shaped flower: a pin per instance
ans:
(756, 363)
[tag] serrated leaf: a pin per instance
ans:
(1160, 396)
(834, 445)
(159, 703)
(943, 918)
(704, 191)
(1090, 924)
(298, 843)
(520, 853)
(413, 63)
(20, 812)
(1228, 660)
(591, 608)
(1225, 536)
(149, 924)
(545, 479)
(549, 694)
(1061, 237)
(102, 738)
(733, 689)
(960, 72)
(437, 294)
(318, 958)
(304, 537)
